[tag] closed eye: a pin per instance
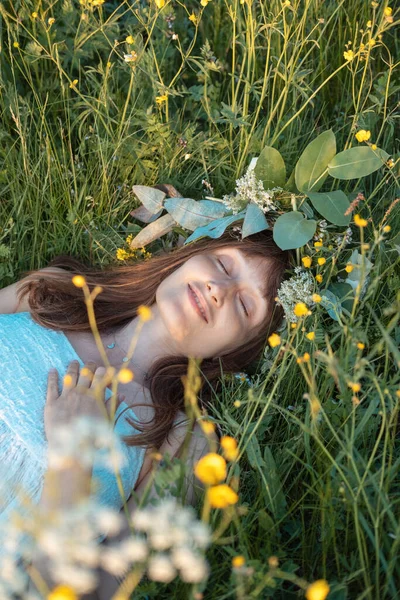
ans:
(241, 301)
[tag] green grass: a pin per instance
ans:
(321, 494)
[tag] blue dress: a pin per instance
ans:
(27, 352)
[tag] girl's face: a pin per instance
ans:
(229, 287)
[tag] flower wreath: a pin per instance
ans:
(292, 208)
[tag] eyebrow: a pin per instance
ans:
(262, 290)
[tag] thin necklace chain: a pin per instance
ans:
(125, 358)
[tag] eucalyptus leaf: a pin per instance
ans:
(332, 304)
(153, 231)
(332, 206)
(254, 220)
(290, 185)
(216, 228)
(357, 162)
(344, 292)
(270, 168)
(293, 230)
(191, 214)
(306, 209)
(151, 198)
(314, 161)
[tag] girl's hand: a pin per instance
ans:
(77, 396)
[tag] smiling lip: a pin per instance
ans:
(192, 294)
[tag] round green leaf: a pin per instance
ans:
(314, 161)
(357, 162)
(332, 206)
(293, 230)
(270, 168)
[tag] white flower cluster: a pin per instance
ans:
(82, 440)
(166, 538)
(250, 189)
(179, 541)
(321, 230)
(298, 288)
(346, 238)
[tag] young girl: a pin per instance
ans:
(213, 299)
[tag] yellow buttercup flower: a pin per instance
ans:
(121, 254)
(348, 55)
(359, 221)
(221, 496)
(204, 2)
(238, 561)
(306, 260)
(193, 18)
(362, 135)
(300, 310)
(16, 45)
(387, 228)
(207, 427)
(306, 357)
(316, 298)
(360, 346)
(211, 469)
(318, 244)
(160, 3)
(125, 376)
(144, 313)
(62, 592)
(355, 387)
(34, 15)
(310, 335)
(387, 11)
(349, 268)
(372, 42)
(73, 83)
(229, 446)
(369, 23)
(319, 278)
(317, 590)
(274, 340)
(129, 40)
(161, 99)
(51, 21)
(78, 281)
(321, 261)
(237, 403)
(293, 325)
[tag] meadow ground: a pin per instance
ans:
(97, 96)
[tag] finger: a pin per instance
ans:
(86, 374)
(71, 377)
(52, 386)
(98, 379)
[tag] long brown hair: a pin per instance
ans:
(56, 303)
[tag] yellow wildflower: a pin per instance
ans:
(144, 313)
(306, 260)
(238, 561)
(374, 146)
(360, 346)
(62, 592)
(211, 469)
(204, 2)
(16, 45)
(398, 393)
(374, 4)
(160, 3)
(372, 42)
(316, 298)
(129, 40)
(321, 261)
(319, 278)
(310, 335)
(348, 55)
(125, 376)
(387, 11)
(51, 21)
(34, 15)
(237, 403)
(317, 590)
(387, 228)
(286, 3)
(207, 427)
(355, 387)
(318, 244)
(121, 254)
(273, 562)
(98, 2)
(390, 163)
(73, 83)
(161, 99)
(362, 135)
(300, 309)
(359, 221)
(108, 64)
(293, 325)
(229, 445)
(369, 23)
(221, 496)
(193, 18)
(78, 281)
(349, 267)
(299, 360)
(274, 340)
(306, 357)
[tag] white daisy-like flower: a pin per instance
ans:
(135, 549)
(161, 568)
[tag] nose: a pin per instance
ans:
(218, 290)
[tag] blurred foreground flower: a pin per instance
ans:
(317, 590)
(221, 496)
(211, 469)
